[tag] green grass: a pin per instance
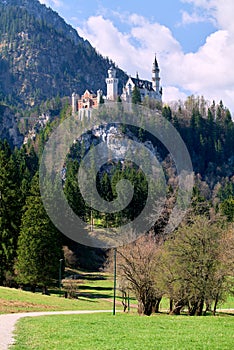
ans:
(228, 304)
(13, 300)
(94, 289)
(125, 332)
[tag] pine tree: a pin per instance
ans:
(9, 211)
(39, 244)
(72, 190)
(136, 95)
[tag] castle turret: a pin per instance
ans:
(99, 97)
(112, 85)
(75, 99)
(156, 77)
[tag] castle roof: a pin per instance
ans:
(90, 92)
(143, 84)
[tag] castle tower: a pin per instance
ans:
(156, 77)
(112, 85)
(75, 99)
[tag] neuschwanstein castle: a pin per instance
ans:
(151, 89)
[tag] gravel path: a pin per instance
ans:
(8, 321)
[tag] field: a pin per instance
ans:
(125, 332)
(105, 331)
(93, 293)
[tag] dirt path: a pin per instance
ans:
(8, 321)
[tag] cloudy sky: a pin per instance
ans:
(193, 40)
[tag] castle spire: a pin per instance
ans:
(155, 76)
(155, 64)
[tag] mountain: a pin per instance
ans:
(9, 129)
(41, 56)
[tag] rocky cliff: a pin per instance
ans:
(8, 127)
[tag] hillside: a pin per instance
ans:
(9, 130)
(41, 56)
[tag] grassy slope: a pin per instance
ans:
(93, 290)
(12, 300)
(104, 331)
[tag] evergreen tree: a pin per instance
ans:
(166, 113)
(136, 95)
(72, 190)
(227, 208)
(10, 208)
(39, 244)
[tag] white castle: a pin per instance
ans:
(152, 89)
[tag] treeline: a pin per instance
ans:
(17, 170)
(24, 223)
(30, 245)
(208, 133)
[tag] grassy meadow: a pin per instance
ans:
(94, 293)
(125, 332)
(105, 331)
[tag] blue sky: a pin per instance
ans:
(193, 40)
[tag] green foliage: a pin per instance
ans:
(39, 244)
(226, 196)
(198, 274)
(136, 95)
(207, 132)
(9, 210)
(166, 113)
(227, 208)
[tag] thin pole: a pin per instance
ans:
(60, 272)
(114, 300)
(128, 302)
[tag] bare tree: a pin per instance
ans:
(137, 264)
(69, 256)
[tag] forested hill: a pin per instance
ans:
(41, 56)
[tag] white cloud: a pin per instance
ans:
(220, 11)
(106, 38)
(132, 51)
(172, 93)
(51, 3)
(188, 18)
(208, 72)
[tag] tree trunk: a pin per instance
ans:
(33, 288)
(200, 307)
(145, 307)
(178, 306)
(208, 307)
(193, 309)
(171, 305)
(124, 301)
(148, 308)
(45, 290)
(215, 304)
(140, 308)
(156, 305)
